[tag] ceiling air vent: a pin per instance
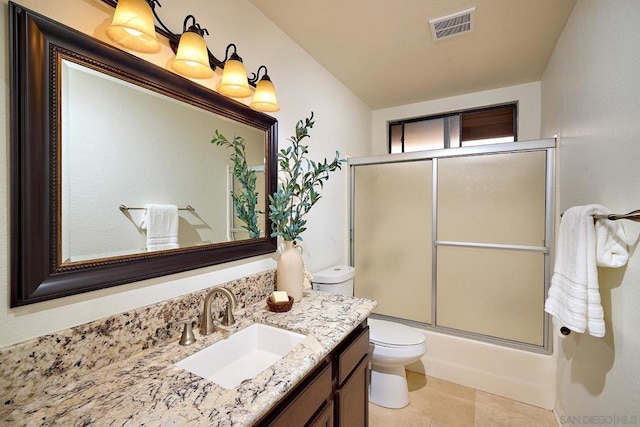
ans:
(451, 25)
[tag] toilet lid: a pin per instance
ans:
(390, 333)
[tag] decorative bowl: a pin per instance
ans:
(279, 307)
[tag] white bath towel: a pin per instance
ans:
(161, 223)
(574, 295)
(611, 243)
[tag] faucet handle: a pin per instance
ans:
(187, 337)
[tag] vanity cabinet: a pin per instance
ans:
(334, 394)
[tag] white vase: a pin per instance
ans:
(290, 270)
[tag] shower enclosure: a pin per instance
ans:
(458, 240)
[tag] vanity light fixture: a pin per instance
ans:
(192, 57)
(265, 97)
(234, 80)
(133, 27)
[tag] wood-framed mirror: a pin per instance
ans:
(79, 175)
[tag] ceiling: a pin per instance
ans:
(384, 52)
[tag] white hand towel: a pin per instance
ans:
(574, 296)
(161, 223)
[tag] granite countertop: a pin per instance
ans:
(147, 389)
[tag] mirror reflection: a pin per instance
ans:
(85, 139)
(127, 145)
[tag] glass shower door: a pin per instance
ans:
(491, 245)
(457, 240)
(393, 237)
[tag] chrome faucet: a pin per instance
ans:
(206, 321)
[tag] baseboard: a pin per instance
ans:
(559, 414)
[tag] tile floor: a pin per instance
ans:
(438, 403)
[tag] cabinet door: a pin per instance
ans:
(325, 417)
(307, 402)
(352, 398)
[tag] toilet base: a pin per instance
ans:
(388, 387)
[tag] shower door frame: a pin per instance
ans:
(547, 145)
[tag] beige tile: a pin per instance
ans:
(409, 416)
(438, 403)
(405, 417)
(447, 404)
(441, 386)
(496, 411)
(432, 402)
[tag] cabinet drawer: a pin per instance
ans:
(299, 411)
(325, 417)
(349, 358)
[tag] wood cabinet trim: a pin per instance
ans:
(352, 401)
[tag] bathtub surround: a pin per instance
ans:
(82, 372)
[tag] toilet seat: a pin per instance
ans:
(390, 334)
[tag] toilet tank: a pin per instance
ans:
(337, 280)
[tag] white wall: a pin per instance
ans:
(527, 95)
(591, 99)
(343, 123)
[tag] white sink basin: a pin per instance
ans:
(242, 356)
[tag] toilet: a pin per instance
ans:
(392, 345)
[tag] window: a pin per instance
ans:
(489, 125)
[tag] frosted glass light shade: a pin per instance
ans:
(192, 58)
(265, 97)
(133, 26)
(234, 81)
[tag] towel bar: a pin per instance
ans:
(633, 216)
(126, 208)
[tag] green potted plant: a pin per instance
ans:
(297, 192)
(245, 201)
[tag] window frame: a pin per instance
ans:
(446, 135)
